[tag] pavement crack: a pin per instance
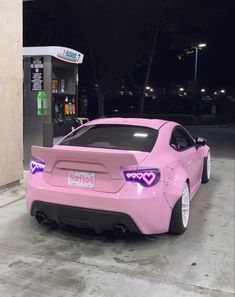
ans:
(11, 202)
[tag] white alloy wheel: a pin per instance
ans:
(185, 205)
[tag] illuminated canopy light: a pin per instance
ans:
(181, 89)
(222, 91)
(203, 90)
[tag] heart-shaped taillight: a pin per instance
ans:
(36, 166)
(145, 177)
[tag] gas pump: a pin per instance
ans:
(50, 94)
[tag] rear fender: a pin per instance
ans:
(176, 177)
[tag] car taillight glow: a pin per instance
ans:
(145, 177)
(36, 166)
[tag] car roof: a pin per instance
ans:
(152, 123)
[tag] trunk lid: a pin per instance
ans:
(87, 168)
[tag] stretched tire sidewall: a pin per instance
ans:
(206, 173)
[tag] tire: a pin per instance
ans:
(206, 173)
(180, 213)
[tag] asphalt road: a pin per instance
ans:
(35, 261)
(220, 139)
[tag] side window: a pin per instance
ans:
(180, 139)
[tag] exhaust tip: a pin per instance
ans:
(40, 217)
(119, 229)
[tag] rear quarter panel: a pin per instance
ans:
(173, 174)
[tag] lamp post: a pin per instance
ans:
(197, 47)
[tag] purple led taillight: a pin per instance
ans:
(36, 166)
(145, 177)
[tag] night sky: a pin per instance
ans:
(216, 64)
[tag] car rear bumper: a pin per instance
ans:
(144, 210)
(99, 220)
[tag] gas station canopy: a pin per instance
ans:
(62, 53)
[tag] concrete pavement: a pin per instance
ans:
(35, 261)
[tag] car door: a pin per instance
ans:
(187, 154)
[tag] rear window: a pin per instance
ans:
(122, 137)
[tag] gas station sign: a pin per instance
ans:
(62, 53)
(68, 56)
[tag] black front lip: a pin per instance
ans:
(99, 220)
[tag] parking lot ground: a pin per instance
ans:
(36, 261)
(220, 139)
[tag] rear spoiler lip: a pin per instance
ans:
(112, 160)
(67, 148)
(80, 148)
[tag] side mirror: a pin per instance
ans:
(200, 141)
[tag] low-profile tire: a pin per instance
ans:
(180, 213)
(206, 173)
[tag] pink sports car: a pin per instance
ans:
(119, 174)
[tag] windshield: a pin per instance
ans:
(122, 137)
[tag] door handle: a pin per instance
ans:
(189, 162)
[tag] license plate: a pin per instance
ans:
(81, 179)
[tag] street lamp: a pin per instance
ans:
(201, 45)
(197, 47)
